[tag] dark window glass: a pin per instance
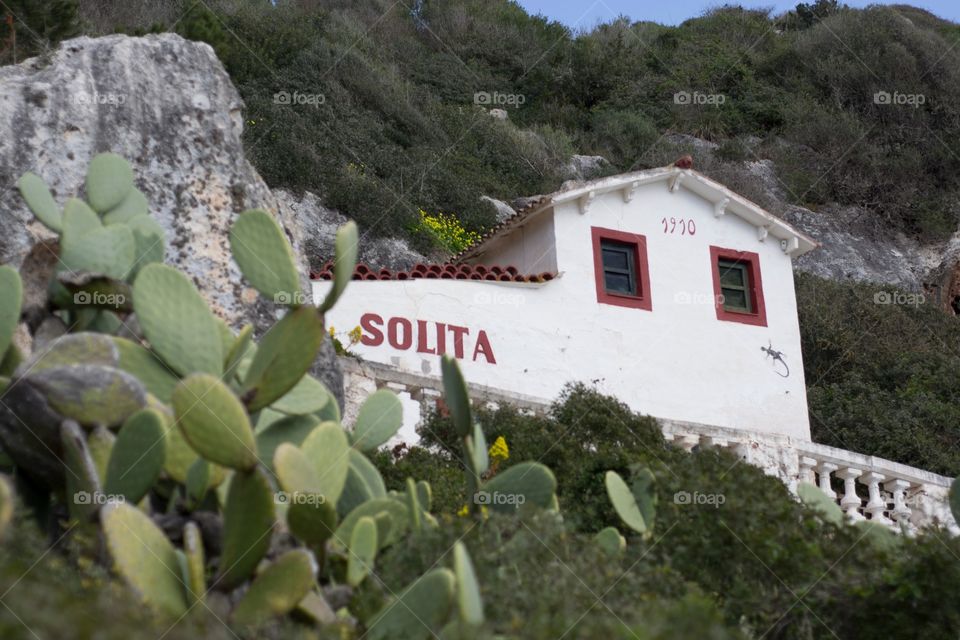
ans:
(735, 286)
(619, 267)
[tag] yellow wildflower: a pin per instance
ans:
(464, 511)
(355, 334)
(333, 333)
(499, 450)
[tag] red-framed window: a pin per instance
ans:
(620, 266)
(737, 286)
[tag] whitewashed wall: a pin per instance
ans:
(677, 361)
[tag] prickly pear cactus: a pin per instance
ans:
(363, 550)
(11, 297)
(214, 422)
(136, 458)
(144, 557)
(278, 589)
(420, 609)
(379, 418)
(248, 519)
(265, 258)
(153, 400)
(636, 512)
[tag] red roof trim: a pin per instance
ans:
(446, 271)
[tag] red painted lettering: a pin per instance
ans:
(370, 323)
(441, 338)
(458, 335)
(422, 338)
(483, 348)
(393, 330)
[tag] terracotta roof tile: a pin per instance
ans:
(446, 271)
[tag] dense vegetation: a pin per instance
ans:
(387, 124)
(397, 131)
(881, 378)
(759, 563)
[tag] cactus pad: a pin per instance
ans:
(137, 457)
(135, 204)
(531, 480)
(6, 504)
(193, 551)
(148, 368)
(176, 321)
(422, 609)
(312, 520)
(144, 557)
(91, 394)
(214, 422)
(363, 483)
(363, 550)
(264, 256)
(71, 349)
(248, 518)
(345, 260)
(292, 429)
(11, 297)
(456, 397)
(110, 251)
(277, 590)
(109, 181)
(379, 418)
(469, 602)
(307, 396)
(389, 529)
(83, 485)
(295, 471)
(611, 542)
(149, 241)
(37, 196)
(283, 356)
(625, 504)
(327, 448)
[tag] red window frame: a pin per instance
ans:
(639, 242)
(757, 317)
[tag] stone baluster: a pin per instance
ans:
(876, 505)
(851, 502)
(806, 470)
(901, 512)
(825, 469)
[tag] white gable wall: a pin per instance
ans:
(677, 361)
(531, 248)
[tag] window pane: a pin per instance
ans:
(615, 258)
(618, 283)
(732, 274)
(735, 300)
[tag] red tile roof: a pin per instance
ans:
(446, 271)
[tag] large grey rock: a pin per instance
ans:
(313, 227)
(853, 246)
(584, 167)
(502, 209)
(168, 106)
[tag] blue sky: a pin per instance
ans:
(587, 13)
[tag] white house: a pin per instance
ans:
(660, 287)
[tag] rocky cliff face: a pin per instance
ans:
(168, 106)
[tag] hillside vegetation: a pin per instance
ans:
(373, 105)
(389, 121)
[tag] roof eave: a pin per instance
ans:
(723, 199)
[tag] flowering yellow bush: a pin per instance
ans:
(499, 450)
(353, 337)
(447, 231)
